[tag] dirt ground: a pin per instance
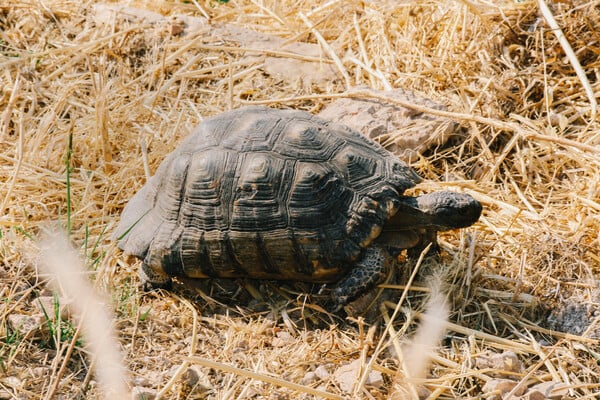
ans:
(94, 95)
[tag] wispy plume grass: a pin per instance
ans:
(418, 352)
(67, 274)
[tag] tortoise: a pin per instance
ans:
(277, 194)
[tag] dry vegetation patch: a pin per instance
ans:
(91, 100)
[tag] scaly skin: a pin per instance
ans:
(369, 270)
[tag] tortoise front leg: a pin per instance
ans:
(153, 277)
(369, 270)
(428, 236)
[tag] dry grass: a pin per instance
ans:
(530, 154)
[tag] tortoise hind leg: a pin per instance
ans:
(369, 270)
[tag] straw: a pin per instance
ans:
(519, 78)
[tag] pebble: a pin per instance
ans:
(321, 372)
(309, 378)
(47, 304)
(282, 339)
(347, 376)
(549, 390)
(507, 361)
(26, 324)
(495, 389)
(142, 393)
(195, 378)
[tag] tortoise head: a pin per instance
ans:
(449, 210)
(439, 210)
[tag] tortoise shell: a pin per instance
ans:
(270, 194)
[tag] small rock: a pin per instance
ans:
(195, 378)
(282, 339)
(175, 26)
(309, 378)
(423, 392)
(507, 361)
(40, 372)
(141, 381)
(46, 305)
(12, 382)
(5, 395)
(533, 395)
(495, 389)
(321, 372)
(27, 324)
(574, 316)
(551, 390)
(401, 391)
(347, 376)
(142, 393)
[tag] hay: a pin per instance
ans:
(129, 89)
